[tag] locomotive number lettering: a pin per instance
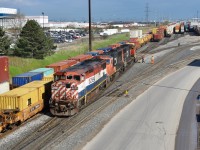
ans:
(91, 80)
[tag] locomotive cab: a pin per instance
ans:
(65, 92)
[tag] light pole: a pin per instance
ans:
(43, 19)
(90, 31)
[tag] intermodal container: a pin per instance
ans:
(93, 53)
(18, 99)
(81, 57)
(44, 90)
(62, 65)
(45, 71)
(154, 30)
(4, 69)
(4, 87)
(157, 37)
(48, 78)
(25, 78)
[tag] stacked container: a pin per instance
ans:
(81, 58)
(4, 74)
(136, 34)
(47, 73)
(62, 65)
(25, 78)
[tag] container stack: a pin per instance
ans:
(25, 78)
(47, 73)
(4, 74)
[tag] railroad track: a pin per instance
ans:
(153, 45)
(127, 85)
(58, 127)
(110, 99)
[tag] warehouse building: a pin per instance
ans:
(7, 16)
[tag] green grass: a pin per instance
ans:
(21, 65)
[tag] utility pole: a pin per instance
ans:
(147, 13)
(90, 30)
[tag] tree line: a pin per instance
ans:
(32, 42)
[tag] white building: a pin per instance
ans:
(6, 15)
(42, 20)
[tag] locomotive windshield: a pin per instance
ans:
(77, 78)
(69, 77)
(59, 77)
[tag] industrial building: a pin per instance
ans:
(7, 16)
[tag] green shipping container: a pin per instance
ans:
(45, 71)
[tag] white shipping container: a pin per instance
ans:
(182, 29)
(140, 33)
(4, 87)
(134, 34)
(109, 31)
(125, 30)
(170, 30)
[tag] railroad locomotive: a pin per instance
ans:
(71, 86)
(74, 87)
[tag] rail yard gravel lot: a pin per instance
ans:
(82, 135)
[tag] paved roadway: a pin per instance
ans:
(151, 121)
(187, 132)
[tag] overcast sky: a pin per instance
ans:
(106, 10)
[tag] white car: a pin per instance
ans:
(68, 40)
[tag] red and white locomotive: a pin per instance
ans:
(74, 87)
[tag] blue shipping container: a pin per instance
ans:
(45, 71)
(25, 78)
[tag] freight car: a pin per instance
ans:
(196, 30)
(177, 28)
(169, 30)
(62, 65)
(158, 34)
(21, 103)
(74, 87)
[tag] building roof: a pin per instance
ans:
(7, 12)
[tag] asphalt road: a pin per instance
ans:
(187, 132)
(151, 121)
